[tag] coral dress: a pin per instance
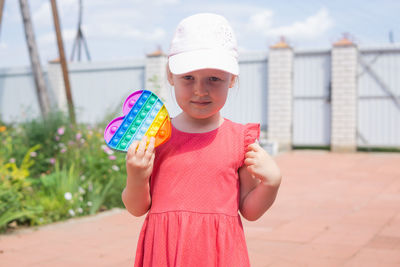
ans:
(193, 219)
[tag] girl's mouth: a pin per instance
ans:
(201, 103)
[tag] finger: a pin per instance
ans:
(249, 161)
(152, 157)
(142, 146)
(255, 147)
(132, 149)
(150, 148)
(250, 169)
(251, 154)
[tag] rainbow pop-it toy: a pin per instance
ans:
(144, 114)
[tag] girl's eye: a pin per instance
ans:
(188, 77)
(214, 79)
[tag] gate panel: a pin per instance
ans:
(311, 99)
(379, 98)
(247, 102)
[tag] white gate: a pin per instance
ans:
(379, 97)
(311, 98)
(248, 102)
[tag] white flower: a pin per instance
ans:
(33, 154)
(68, 196)
(71, 212)
(81, 190)
(89, 203)
(83, 177)
(115, 168)
(80, 210)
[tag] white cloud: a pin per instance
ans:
(123, 30)
(261, 20)
(167, 2)
(156, 34)
(50, 37)
(42, 15)
(310, 28)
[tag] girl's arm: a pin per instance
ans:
(260, 178)
(139, 166)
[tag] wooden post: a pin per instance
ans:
(41, 91)
(1, 11)
(64, 66)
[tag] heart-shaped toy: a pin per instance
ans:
(144, 114)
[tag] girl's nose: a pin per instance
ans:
(200, 89)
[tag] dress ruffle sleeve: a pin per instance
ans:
(251, 134)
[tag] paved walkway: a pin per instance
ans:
(332, 210)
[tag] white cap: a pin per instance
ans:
(203, 41)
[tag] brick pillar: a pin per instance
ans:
(344, 96)
(280, 95)
(156, 77)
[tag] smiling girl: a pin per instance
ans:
(194, 186)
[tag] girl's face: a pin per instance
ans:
(201, 94)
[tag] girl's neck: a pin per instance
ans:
(185, 123)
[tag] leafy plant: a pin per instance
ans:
(15, 188)
(51, 171)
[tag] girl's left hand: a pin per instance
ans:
(262, 166)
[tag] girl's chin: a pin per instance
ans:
(200, 116)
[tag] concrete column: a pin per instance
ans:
(156, 76)
(344, 96)
(280, 95)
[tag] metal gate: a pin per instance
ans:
(311, 98)
(379, 97)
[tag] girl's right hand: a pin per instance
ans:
(139, 160)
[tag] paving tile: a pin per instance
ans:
(259, 259)
(385, 242)
(348, 234)
(314, 262)
(375, 257)
(328, 251)
(333, 209)
(392, 228)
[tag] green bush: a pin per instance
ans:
(51, 171)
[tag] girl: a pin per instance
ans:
(194, 185)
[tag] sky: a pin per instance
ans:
(129, 29)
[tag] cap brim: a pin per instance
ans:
(203, 59)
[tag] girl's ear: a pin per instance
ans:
(169, 76)
(233, 81)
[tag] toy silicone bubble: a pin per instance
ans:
(144, 114)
